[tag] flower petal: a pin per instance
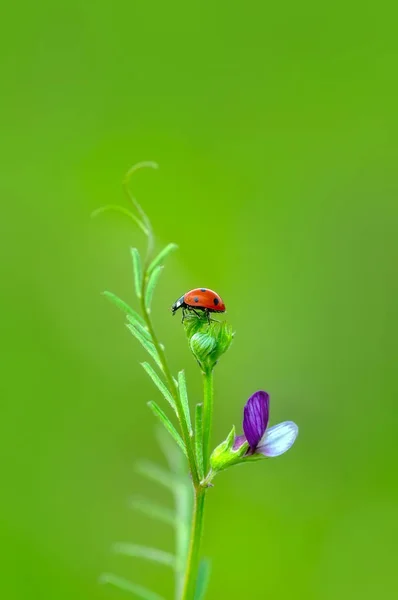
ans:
(239, 441)
(255, 417)
(278, 439)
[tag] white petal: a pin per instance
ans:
(278, 439)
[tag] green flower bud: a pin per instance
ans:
(208, 340)
(230, 452)
(202, 346)
(225, 336)
(194, 322)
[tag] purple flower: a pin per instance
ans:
(270, 442)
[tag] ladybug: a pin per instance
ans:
(199, 299)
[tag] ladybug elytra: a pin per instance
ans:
(199, 299)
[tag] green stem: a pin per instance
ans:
(191, 573)
(207, 418)
(173, 389)
(170, 380)
(192, 568)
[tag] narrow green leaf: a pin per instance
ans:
(199, 439)
(123, 211)
(154, 472)
(152, 554)
(182, 390)
(149, 347)
(150, 288)
(141, 328)
(123, 306)
(154, 511)
(203, 579)
(163, 254)
(157, 411)
(175, 459)
(184, 498)
(128, 586)
(135, 255)
(160, 385)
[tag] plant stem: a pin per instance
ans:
(162, 356)
(192, 568)
(207, 418)
(174, 391)
(191, 573)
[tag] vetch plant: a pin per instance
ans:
(186, 435)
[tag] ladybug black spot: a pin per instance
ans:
(196, 299)
(203, 290)
(216, 301)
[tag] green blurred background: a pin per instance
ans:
(275, 128)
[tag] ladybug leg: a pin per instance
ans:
(212, 318)
(183, 315)
(196, 313)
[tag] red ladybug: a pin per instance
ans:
(199, 299)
